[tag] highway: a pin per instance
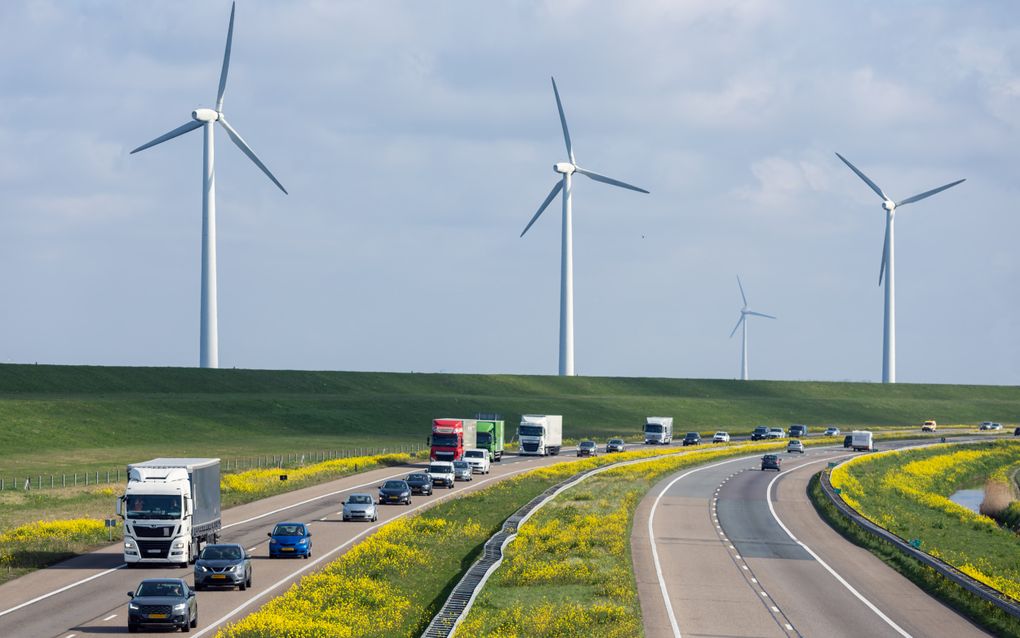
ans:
(87, 596)
(731, 550)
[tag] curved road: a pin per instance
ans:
(728, 566)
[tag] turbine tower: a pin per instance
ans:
(206, 118)
(567, 169)
(742, 323)
(886, 269)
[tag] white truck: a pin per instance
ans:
(540, 434)
(170, 507)
(861, 440)
(659, 429)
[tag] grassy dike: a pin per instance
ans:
(72, 418)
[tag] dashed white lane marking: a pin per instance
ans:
(110, 617)
(748, 569)
(776, 609)
(764, 594)
(754, 580)
(252, 549)
(789, 627)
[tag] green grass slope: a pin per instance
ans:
(56, 418)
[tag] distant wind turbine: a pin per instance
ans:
(889, 331)
(205, 117)
(567, 169)
(742, 323)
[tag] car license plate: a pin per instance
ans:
(157, 615)
(218, 576)
(394, 498)
(288, 549)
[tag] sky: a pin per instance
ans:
(417, 139)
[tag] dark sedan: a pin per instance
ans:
(395, 492)
(771, 462)
(692, 438)
(587, 448)
(420, 483)
(223, 566)
(162, 602)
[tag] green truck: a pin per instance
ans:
(490, 435)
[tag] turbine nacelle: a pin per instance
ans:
(889, 205)
(566, 168)
(204, 115)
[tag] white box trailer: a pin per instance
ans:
(862, 440)
(540, 434)
(659, 429)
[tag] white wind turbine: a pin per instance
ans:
(567, 169)
(889, 327)
(204, 117)
(742, 322)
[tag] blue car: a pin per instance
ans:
(290, 539)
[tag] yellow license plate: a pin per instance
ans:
(218, 576)
(158, 615)
(288, 549)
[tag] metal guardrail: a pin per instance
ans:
(979, 589)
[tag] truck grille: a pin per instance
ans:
(444, 456)
(163, 531)
(530, 447)
(155, 609)
(153, 549)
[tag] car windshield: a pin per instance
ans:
(418, 477)
(153, 506)
(587, 444)
(439, 469)
(777, 429)
(446, 440)
(221, 552)
(692, 435)
(289, 529)
(794, 442)
(616, 441)
(475, 454)
(484, 438)
(720, 434)
(654, 428)
(393, 485)
(530, 430)
(148, 588)
(461, 465)
(770, 457)
(359, 499)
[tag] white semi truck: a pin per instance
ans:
(659, 429)
(170, 507)
(540, 434)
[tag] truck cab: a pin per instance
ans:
(450, 437)
(659, 430)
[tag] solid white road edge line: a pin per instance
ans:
(842, 581)
(62, 589)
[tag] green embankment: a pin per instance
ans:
(58, 418)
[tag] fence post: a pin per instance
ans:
(76, 479)
(63, 480)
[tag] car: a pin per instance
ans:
(771, 462)
(395, 491)
(290, 539)
(776, 433)
(929, 426)
(420, 483)
(615, 445)
(692, 438)
(832, 431)
(587, 448)
(442, 473)
(760, 432)
(990, 425)
(361, 507)
(721, 437)
(162, 602)
(462, 471)
(848, 440)
(479, 460)
(795, 446)
(797, 430)
(1016, 432)
(225, 565)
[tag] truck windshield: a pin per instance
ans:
(153, 506)
(654, 428)
(447, 440)
(530, 430)
(484, 438)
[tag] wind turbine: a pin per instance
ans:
(889, 331)
(742, 323)
(205, 117)
(567, 169)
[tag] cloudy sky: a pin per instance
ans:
(417, 139)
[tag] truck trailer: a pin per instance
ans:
(171, 508)
(490, 437)
(450, 437)
(540, 434)
(861, 440)
(659, 429)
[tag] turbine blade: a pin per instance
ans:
(563, 122)
(760, 314)
(608, 180)
(917, 198)
(226, 61)
(241, 144)
(552, 194)
(739, 321)
(180, 130)
(885, 253)
(867, 181)
(742, 296)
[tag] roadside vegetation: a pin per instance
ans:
(907, 492)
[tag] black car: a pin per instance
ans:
(395, 492)
(771, 462)
(420, 483)
(760, 432)
(1016, 432)
(587, 448)
(223, 566)
(162, 602)
(692, 438)
(615, 445)
(848, 440)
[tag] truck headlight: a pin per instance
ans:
(178, 544)
(129, 544)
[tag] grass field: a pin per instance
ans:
(73, 418)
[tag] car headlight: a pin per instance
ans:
(405, 493)
(272, 541)
(132, 607)
(302, 541)
(180, 606)
(201, 568)
(237, 568)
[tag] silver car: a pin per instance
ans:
(795, 446)
(223, 566)
(360, 507)
(462, 471)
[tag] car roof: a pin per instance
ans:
(223, 545)
(174, 581)
(360, 494)
(289, 523)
